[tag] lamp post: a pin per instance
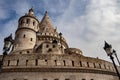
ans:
(108, 49)
(7, 45)
(116, 56)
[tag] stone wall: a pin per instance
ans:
(55, 60)
(56, 67)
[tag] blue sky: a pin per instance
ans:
(84, 23)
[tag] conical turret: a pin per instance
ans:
(48, 39)
(46, 25)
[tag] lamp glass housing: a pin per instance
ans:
(7, 45)
(109, 51)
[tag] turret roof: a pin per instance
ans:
(46, 24)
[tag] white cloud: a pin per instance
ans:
(88, 31)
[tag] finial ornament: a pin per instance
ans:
(46, 12)
(31, 11)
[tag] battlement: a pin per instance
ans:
(56, 61)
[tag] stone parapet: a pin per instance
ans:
(62, 61)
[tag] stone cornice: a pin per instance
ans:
(73, 70)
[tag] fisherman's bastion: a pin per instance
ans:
(40, 52)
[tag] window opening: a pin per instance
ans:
(31, 39)
(55, 62)
(72, 63)
(36, 62)
(64, 63)
(17, 62)
(28, 51)
(24, 36)
(28, 21)
(80, 64)
(53, 46)
(33, 23)
(47, 46)
(8, 62)
(88, 64)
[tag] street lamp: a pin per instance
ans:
(108, 49)
(7, 45)
(114, 52)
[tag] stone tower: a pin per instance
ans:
(25, 36)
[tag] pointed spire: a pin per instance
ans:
(45, 16)
(46, 23)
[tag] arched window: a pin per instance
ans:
(33, 23)
(28, 21)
